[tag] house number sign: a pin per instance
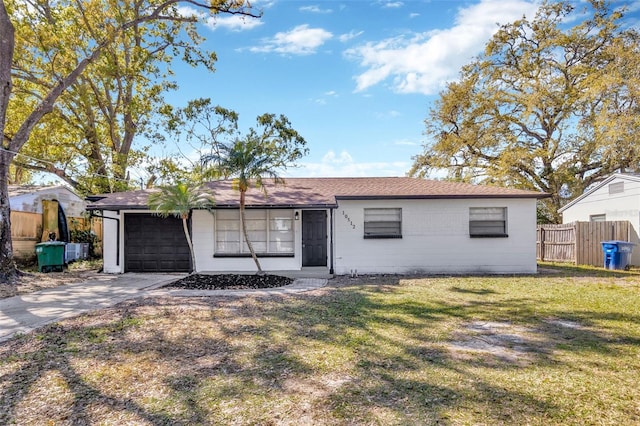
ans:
(346, 216)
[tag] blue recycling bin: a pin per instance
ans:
(617, 254)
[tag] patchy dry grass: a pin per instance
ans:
(559, 348)
(31, 280)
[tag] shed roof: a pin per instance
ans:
(625, 176)
(18, 190)
(322, 192)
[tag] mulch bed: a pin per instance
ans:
(229, 282)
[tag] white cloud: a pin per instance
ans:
(331, 157)
(423, 63)
(323, 100)
(189, 12)
(233, 22)
(350, 36)
(314, 9)
(343, 165)
(393, 4)
(301, 40)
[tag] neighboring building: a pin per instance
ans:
(28, 198)
(341, 225)
(615, 198)
(32, 222)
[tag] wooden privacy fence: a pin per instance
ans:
(27, 231)
(578, 242)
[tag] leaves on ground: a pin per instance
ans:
(554, 349)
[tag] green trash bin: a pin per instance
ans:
(50, 256)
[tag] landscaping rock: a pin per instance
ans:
(229, 282)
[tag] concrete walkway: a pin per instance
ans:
(21, 314)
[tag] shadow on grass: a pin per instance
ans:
(357, 353)
(571, 270)
(472, 291)
(49, 352)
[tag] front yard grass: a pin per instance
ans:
(562, 347)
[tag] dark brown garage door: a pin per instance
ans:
(154, 244)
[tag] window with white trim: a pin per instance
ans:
(383, 223)
(597, 218)
(270, 232)
(488, 222)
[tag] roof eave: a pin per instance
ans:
(440, 197)
(114, 207)
(594, 189)
(279, 206)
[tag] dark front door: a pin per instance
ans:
(314, 238)
(154, 244)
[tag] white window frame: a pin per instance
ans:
(488, 222)
(271, 232)
(598, 218)
(385, 222)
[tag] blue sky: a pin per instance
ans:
(355, 78)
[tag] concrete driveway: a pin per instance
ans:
(21, 314)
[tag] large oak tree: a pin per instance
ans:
(52, 63)
(548, 106)
(88, 139)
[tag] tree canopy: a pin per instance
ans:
(178, 200)
(547, 107)
(48, 46)
(88, 139)
(263, 152)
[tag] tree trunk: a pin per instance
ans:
(556, 204)
(190, 244)
(7, 43)
(246, 234)
(8, 271)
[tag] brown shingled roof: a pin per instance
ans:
(324, 192)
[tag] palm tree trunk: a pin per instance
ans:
(246, 234)
(189, 243)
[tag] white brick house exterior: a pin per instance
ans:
(368, 225)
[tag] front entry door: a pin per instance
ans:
(314, 238)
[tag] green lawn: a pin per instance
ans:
(558, 348)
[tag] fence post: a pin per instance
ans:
(542, 243)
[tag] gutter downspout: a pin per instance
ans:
(101, 216)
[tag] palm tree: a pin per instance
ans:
(249, 162)
(178, 200)
(251, 159)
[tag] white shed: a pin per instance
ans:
(28, 225)
(615, 198)
(28, 198)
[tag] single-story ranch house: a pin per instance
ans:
(341, 225)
